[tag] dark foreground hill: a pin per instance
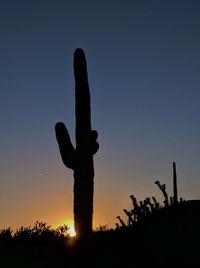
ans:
(166, 238)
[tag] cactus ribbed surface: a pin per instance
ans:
(80, 158)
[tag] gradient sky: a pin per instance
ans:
(143, 62)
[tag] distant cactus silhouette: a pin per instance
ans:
(143, 209)
(175, 197)
(80, 158)
(162, 187)
(129, 214)
(148, 202)
(121, 221)
(156, 204)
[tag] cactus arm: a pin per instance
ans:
(67, 150)
(162, 187)
(121, 221)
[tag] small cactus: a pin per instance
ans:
(129, 214)
(80, 158)
(162, 187)
(175, 197)
(121, 221)
(156, 203)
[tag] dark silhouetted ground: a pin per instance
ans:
(166, 238)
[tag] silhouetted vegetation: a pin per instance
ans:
(28, 246)
(153, 235)
(80, 159)
(148, 206)
(40, 230)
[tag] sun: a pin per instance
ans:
(69, 223)
(71, 230)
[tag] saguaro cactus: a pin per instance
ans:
(80, 158)
(175, 184)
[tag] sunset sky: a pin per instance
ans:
(143, 62)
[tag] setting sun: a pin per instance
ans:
(71, 231)
(70, 225)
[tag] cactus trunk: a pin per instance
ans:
(83, 197)
(84, 170)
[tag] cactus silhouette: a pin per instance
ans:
(156, 204)
(162, 187)
(121, 221)
(175, 184)
(80, 158)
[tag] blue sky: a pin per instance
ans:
(143, 62)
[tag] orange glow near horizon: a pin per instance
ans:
(70, 224)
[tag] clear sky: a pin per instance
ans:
(143, 61)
